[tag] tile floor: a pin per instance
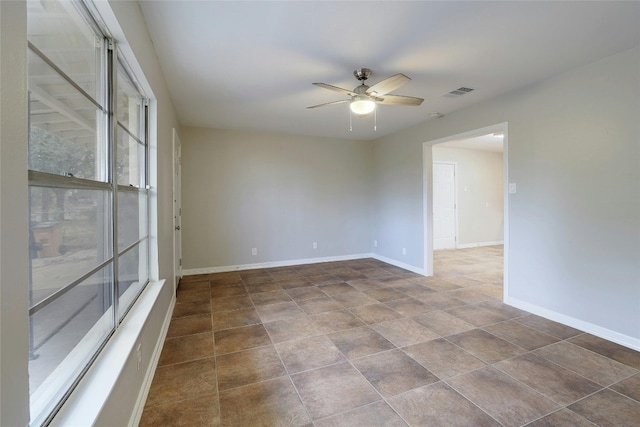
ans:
(364, 343)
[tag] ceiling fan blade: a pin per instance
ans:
(399, 100)
(335, 89)
(330, 103)
(388, 85)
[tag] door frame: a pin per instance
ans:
(177, 208)
(455, 197)
(427, 194)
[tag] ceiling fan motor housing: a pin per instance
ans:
(362, 89)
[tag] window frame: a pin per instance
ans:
(43, 406)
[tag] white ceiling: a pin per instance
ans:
(250, 65)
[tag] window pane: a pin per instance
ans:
(64, 126)
(130, 160)
(133, 274)
(64, 337)
(69, 236)
(61, 33)
(129, 107)
(71, 230)
(132, 217)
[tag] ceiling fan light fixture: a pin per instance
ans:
(362, 105)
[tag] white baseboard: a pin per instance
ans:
(153, 364)
(479, 244)
(287, 263)
(400, 264)
(599, 331)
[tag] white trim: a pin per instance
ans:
(427, 169)
(400, 264)
(599, 331)
(480, 244)
(151, 370)
(288, 263)
(86, 402)
(505, 194)
(427, 207)
(176, 204)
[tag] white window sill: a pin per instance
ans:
(85, 404)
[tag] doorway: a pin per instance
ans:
(469, 204)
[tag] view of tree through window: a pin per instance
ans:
(53, 154)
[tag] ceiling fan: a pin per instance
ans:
(363, 99)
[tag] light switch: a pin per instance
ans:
(512, 187)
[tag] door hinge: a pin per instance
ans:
(180, 262)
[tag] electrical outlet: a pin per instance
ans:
(375, 243)
(254, 251)
(404, 251)
(315, 245)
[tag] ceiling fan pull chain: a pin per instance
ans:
(375, 120)
(350, 122)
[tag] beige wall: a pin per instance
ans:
(479, 194)
(274, 192)
(574, 224)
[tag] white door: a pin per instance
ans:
(444, 206)
(177, 208)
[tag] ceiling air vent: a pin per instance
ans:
(458, 92)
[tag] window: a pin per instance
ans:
(132, 196)
(88, 196)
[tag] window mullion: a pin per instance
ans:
(147, 182)
(112, 143)
(45, 179)
(146, 146)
